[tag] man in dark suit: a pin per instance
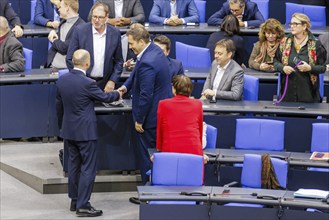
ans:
(225, 80)
(150, 83)
(68, 10)
(45, 14)
(103, 42)
(175, 66)
(246, 12)
(8, 12)
(124, 12)
(174, 12)
(11, 50)
(76, 94)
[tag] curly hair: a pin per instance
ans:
(273, 26)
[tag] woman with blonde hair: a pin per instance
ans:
(270, 34)
(300, 58)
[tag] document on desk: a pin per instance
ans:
(320, 156)
(311, 193)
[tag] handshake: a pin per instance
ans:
(122, 90)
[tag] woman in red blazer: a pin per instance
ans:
(180, 120)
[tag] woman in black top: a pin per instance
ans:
(229, 29)
(302, 58)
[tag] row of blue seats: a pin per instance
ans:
(317, 14)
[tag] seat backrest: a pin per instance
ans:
(320, 137)
(317, 14)
(201, 6)
(259, 134)
(177, 169)
(251, 175)
(28, 55)
(250, 88)
(211, 137)
(62, 72)
(192, 56)
(33, 4)
(263, 7)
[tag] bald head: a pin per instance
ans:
(4, 26)
(81, 59)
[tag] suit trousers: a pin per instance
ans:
(145, 140)
(81, 170)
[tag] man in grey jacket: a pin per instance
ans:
(11, 50)
(225, 80)
(124, 12)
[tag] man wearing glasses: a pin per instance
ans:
(103, 42)
(245, 11)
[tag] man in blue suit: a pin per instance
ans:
(46, 13)
(150, 82)
(245, 11)
(76, 94)
(175, 66)
(103, 42)
(174, 12)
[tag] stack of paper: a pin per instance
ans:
(312, 193)
(320, 156)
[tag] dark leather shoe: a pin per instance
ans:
(73, 206)
(89, 212)
(135, 200)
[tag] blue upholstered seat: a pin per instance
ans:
(28, 55)
(192, 56)
(250, 88)
(259, 134)
(211, 137)
(317, 14)
(201, 6)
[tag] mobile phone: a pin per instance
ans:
(213, 100)
(319, 155)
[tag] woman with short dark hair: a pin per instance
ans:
(229, 29)
(180, 120)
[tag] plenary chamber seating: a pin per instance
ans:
(317, 14)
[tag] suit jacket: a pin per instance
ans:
(76, 94)
(44, 12)
(82, 38)
(11, 54)
(186, 9)
(150, 83)
(240, 52)
(180, 125)
(132, 9)
(59, 46)
(231, 84)
(324, 39)
(8, 12)
(175, 67)
(251, 14)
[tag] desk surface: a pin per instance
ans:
(202, 28)
(240, 195)
(33, 75)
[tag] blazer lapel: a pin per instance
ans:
(213, 73)
(112, 9)
(178, 7)
(108, 44)
(124, 8)
(90, 47)
(167, 8)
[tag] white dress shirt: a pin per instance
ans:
(99, 43)
(118, 5)
(218, 77)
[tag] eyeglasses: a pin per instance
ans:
(294, 24)
(235, 10)
(98, 17)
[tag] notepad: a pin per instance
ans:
(319, 155)
(311, 193)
